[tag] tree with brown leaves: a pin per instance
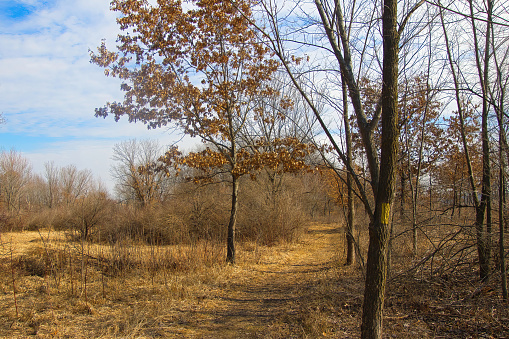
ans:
(198, 65)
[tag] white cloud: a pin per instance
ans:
(46, 72)
(49, 89)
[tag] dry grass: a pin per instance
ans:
(83, 290)
(298, 290)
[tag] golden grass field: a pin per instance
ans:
(77, 290)
(202, 298)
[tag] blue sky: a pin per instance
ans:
(49, 89)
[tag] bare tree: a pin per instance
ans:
(89, 210)
(65, 184)
(278, 122)
(498, 95)
(483, 208)
(74, 183)
(132, 183)
(479, 20)
(502, 144)
(51, 174)
(332, 22)
(15, 174)
(37, 192)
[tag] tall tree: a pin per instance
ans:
(498, 95)
(502, 144)
(330, 20)
(453, 173)
(477, 19)
(350, 240)
(418, 113)
(418, 110)
(376, 268)
(199, 65)
(51, 174)
(75, 183)
(483, 209)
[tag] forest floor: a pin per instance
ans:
(298, 290)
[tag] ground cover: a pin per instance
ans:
(301, 290)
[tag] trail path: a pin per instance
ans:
(267, 300)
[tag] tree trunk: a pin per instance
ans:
(350, 240)
(402, 195)
(480, 206)
(501, 218)
(376, 273)
(484, 208)
(412, 192)
(502, 151)
(230, 242)
(486, 142)
(376, 276)
(484, 265)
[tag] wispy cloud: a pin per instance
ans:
(44, 68)
(49, 89)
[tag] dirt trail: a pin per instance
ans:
(265, 300)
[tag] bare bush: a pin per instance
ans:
(150, 225)
(204, 209)
(268, 223)
(83, 219)
(269, 215)
(10, 222)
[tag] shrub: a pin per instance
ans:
(151, 225)
(82, 219)
(270, 217)
(11, 222)
(205, 210)
(41, 219)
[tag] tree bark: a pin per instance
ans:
(350, 240)
(502, 152)
(501, 218)
(484, 208)
(230, 242)
(376, 273)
